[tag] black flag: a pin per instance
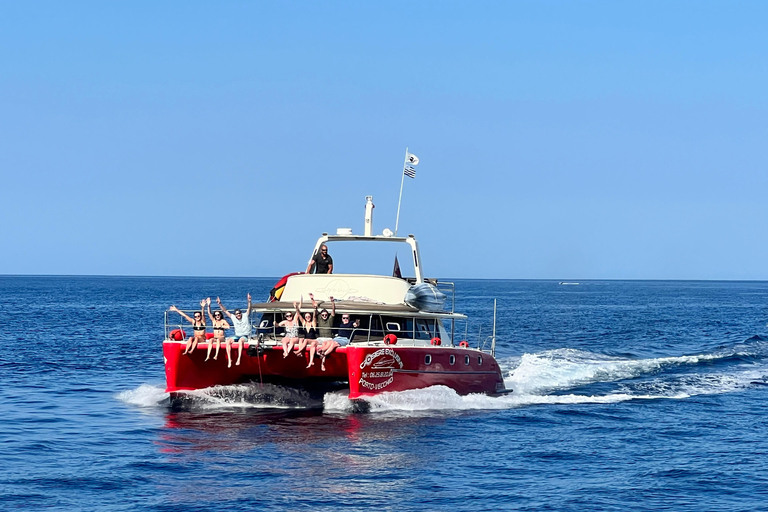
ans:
(396, 270)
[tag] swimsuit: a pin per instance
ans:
(292, 331)
(311, 333)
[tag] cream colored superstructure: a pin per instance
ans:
(353, 287)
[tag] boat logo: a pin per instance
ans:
(378, 369)
(336, 288)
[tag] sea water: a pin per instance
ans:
(640, 395)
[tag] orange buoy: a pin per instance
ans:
(464, 344)
(177, 335)
(436, 341)
(390, 339)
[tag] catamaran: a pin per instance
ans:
(405, 338)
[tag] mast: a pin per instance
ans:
(493, 338)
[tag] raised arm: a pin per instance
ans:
(333, 306)
(187, 317)
(222, 308)
(248, 311)
(208, 308)
(314, 302)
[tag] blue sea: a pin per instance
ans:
(628, 395)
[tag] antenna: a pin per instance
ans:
(400, 200)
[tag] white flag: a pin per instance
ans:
(412, 159)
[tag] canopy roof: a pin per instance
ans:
(347, 306)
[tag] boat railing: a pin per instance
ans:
(270, 328)
(483, 342)
(171, 324)
(449, 289)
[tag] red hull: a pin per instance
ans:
(369, 370)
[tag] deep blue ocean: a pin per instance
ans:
(629, 395)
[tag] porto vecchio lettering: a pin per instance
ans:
(378, 369)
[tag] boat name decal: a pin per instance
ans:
(384, 361)
(337, 288)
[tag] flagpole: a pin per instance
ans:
(402, 180)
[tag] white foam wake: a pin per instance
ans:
(440, 398)
(551, 377)
(568, 368)
(244, 396)
(145, 395)
(248, 396)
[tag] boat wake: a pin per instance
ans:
(241, 396)
(562, 376)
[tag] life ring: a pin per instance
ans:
(390, 339)
(464, 344)
(436, 341)
(177, 335)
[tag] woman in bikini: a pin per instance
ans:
(291, 324)
(309, 329)
(219, 326)
(198, 327)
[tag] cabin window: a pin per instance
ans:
(393, 327)
(423, 331)
(428, 359)
(416, 328)
(480, 360)
(466, 360)
(452, 360)
(264, 324)
(377, 333)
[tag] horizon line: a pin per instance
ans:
(569, 280)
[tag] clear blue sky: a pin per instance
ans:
(564, 140)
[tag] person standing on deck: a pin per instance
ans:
(322, 262)
(242, 325)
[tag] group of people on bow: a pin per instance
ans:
(314, 331)
(240, 321)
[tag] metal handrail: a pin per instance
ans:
(169, 326)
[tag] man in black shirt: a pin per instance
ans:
(322, 262)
